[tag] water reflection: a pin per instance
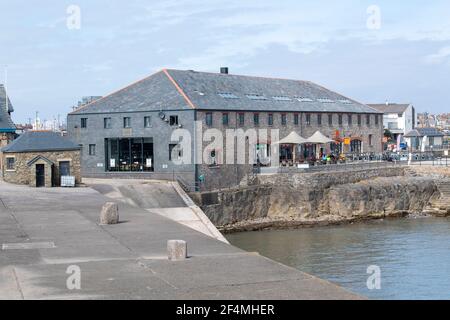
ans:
(413, 254)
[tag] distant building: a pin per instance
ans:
(85, 101)
(40, 158)
(7, 127)
(128, 133)
(399, 119)
(21, 128)
(426, 139)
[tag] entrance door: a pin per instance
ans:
(40, 175)
(64, 168)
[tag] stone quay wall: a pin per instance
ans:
(317, 198)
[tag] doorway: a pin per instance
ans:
(40, 175)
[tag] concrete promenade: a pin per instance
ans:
(45, 231)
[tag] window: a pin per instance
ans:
(431, 141)
(319, 119)
(340, 119)
(296, 121)
(368, 119)
(127, 122)
(173, 120)
(225, 119)
(174, 152)
(349, 119)
(330, 119)
(147, 122)
(84, 122)
(241, 119)
(283, 119)
(359, 120)
(107, 123)
(10, 163)
(209, 119)
(308, 119)
(270, 119)
(256, 119)
(213, 158)
(377, 119)
(92, 149)
(370, 140)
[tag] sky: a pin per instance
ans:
(372, 51)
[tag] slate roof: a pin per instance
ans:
(6, 124)
(422, 132)
(390, 108)
(181, 89)
(40, 141)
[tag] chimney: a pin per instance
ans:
(224, 70)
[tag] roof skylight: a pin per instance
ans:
(256, 97)
(303, 99)
(281, 98)
(325, 100)
(227, 95)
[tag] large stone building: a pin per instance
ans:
(128, 133)
(7, 127)
(40, 159)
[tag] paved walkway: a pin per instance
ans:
(53, 229)
(165, 198)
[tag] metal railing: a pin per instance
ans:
(187, 187)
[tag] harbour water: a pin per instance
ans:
(413, 255)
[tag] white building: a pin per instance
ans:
(425, 139)
(397, 118)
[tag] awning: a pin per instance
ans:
(293, 138)
(319, 138)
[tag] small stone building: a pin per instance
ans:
(40, 159)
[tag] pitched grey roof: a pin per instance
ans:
(6, 124)
(152, 93)
(261, 94)
(39, 141)
(181, 89)
(390, 108)
(422, 132)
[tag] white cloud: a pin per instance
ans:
(441, 57)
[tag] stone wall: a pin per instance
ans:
(427, 170)
(317, 198)
(23, 174)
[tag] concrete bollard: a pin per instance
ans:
(110, 213)
(176, 250)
